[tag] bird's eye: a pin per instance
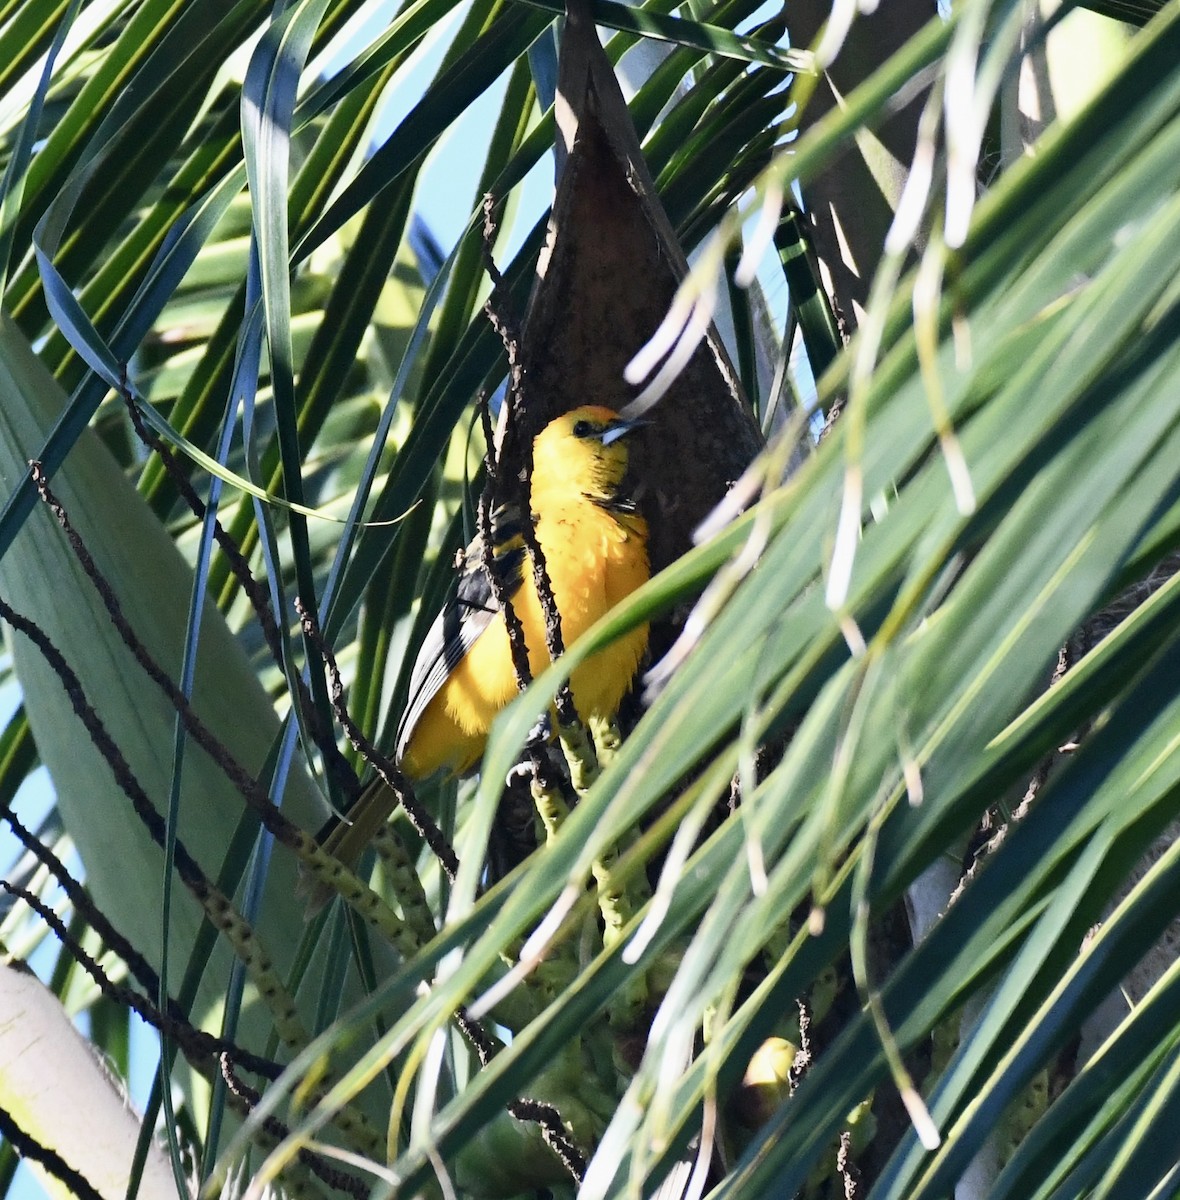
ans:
(583, 429)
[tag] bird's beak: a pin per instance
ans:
(619, 428)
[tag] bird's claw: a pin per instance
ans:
(541, 733)
(522, 772)
(538, 741)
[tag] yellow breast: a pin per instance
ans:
(593, 560)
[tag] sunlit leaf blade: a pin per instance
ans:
(153, 585)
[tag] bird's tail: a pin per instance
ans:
(345, 838)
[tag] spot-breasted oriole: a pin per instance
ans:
(595, 547)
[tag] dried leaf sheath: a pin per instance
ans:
(606, 278)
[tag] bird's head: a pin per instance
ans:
(581, 453)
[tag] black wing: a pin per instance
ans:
(465, 615)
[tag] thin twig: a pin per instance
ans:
(484, 1045)
(534, 1111)
(334, 1177)
(846, 1167)
(804, 1056)
(136, 963)
(553, 1132)
(546, 788)
(218, 907)
(499, 313)
(389, 773)
(187, 867)
(545, 1115)
(325, 868)
(516, 639)
(256, 593)
(563, 702)
(139, 967)
(28, 1147)
(194, 1042)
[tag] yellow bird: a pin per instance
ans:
(595, 547)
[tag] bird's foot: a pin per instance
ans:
(541, 733)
